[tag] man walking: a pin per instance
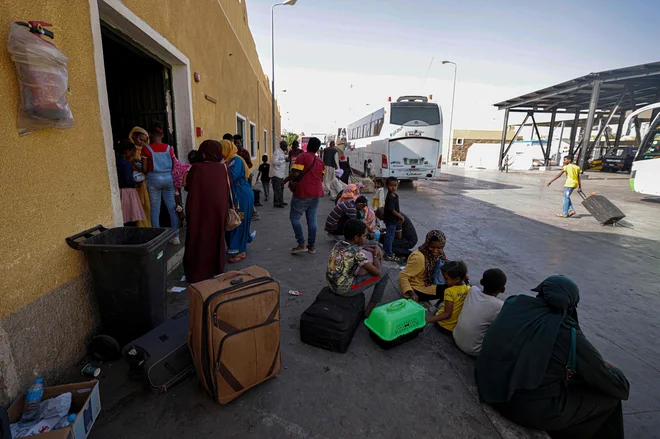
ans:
(331, 163)
(572, 181)
(278, 170)
(294, 153)
(307, 178)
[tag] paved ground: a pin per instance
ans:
(425, 388)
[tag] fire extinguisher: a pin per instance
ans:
(42, 75)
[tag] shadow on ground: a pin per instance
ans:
(423, 388)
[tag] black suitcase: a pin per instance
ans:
(162, 356)
(602, 209)
(330, 322)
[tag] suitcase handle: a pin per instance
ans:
(396, 306)
(584, 197)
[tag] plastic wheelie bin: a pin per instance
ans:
(129, 275)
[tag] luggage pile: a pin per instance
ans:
(230, 337)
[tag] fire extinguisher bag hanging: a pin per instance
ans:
(42, 79)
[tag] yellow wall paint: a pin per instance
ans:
(200, 30)
(53, 183)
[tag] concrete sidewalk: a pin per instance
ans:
(424, 388)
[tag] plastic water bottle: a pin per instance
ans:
(377, 235)
(32, 401)
(65, 422)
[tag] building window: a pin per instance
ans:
(253, 140)
(265, 142)
(240, 126)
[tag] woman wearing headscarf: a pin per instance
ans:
(206, 211)
(538, 369)
(336, 185)
(140, 137)
(416, 280)
(350, 192)
(239, 238)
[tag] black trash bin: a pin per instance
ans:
(129, 274)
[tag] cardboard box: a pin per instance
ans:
(85, 402)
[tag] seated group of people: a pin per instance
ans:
(534, 364)
(351, 205)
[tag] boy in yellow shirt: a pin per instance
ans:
(572, 181)
(454, 273)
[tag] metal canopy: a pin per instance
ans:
(606, 95)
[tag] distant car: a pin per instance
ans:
(618, 159)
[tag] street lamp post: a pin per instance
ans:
(272, 77)
(451, 117)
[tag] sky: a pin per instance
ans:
(339, 60)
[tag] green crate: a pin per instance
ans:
(395, 319)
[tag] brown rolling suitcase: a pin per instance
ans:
(234, 333)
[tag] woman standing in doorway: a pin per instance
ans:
(139, 137)
(157, 164)
(239, 238)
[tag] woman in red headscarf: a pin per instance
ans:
(206, 211)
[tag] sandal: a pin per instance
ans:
(571, 213)
(237, 259)
(561, 215)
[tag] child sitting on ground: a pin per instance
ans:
(348, 257)
(454, 274)
(479, 311)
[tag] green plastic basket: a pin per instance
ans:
(395, 319)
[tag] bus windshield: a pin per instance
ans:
(405, 112)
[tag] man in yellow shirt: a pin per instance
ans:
(572, 181)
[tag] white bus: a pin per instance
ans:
(403, 139)
(645, 174)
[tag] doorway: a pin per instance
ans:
(139, 88)
(139, 92)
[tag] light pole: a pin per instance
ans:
(272, 77)
(451, 117)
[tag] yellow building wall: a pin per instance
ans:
(224, 53)
(53, 183)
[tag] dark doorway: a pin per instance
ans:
(139, 92)
(138, 88)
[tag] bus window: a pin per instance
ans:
(379, 126)
(652, 147)
(404, 112)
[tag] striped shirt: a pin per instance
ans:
(345, 210)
